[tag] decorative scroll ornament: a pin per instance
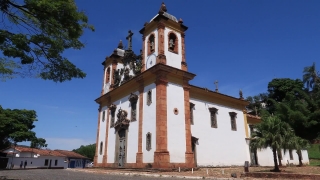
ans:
(122, 121)
(131, 62)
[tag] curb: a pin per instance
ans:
(160, 175)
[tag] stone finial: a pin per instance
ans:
(241, 94)
(120, 45)
(180, 21)
(163, 8)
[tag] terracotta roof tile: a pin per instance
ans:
(71, 154)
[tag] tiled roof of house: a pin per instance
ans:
(41, 152)
(253, 116)
(47, 152)
(71, 154)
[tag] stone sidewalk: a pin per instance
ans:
(148, 173)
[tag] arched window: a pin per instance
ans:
(103, 116)
(149, 97)
(108, 75)
(151, 44)
(173, 42)
(148, 141)
(101, 147)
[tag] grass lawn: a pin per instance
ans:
(314, 162)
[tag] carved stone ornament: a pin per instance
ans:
(122, 121)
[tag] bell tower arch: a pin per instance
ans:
(163, 41)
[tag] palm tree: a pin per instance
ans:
(299, 144)
(273, 133)
(310, 76)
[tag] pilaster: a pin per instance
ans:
(139, 156)
(161, 155)
(95, 161)
(161, 58)
(189, 154)
(183, 53)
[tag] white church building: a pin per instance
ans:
(150, 116)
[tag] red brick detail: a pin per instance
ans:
(183, 52)
(95, 161)
(189, 154)
(143, 53)
(161, 155)
(139, 156)
(161, 27)
(105, 155)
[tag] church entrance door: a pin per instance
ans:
(122, 147)
(194, 142)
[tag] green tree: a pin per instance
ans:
(88, 150)
(35, 33)
(38, 143)
(16, 126)
(257, 103)
(273, 133)
(310, 76)
(298, 144)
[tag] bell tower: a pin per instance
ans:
(163, 41)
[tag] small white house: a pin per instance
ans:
(26, 157)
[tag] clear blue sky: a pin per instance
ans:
(242, 44)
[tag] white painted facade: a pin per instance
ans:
(132, 133)
(149, 123)
(102, 132)
(219, 146)
(173, 59)
(33, 160)
(176, 123)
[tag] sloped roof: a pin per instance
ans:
(41, 152)
(71, 154)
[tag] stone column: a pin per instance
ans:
(95, 161)
(143, 53)
(105, 154)
(189, 154)
(161, 58)
(183, 53)
(161, 155)
(139, 156)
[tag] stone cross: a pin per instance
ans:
(129, 38)
(216, 83)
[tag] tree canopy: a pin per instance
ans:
(35, 33)
(273, 133)
(88, 150)
(38, 143)
(16, 126)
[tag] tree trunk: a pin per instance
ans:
(279, 157)
(300, 158)
(276, 167)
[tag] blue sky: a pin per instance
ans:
(242, 44)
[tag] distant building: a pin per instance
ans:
(75, 160)
(26, 157)
(151, 116)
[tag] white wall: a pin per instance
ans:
(176, 123)
(102, 133)
(265, 157)
(132, 136)
(218, 146)
(37, 162)
(149, 123)
(173, 59)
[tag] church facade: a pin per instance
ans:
(150, 116)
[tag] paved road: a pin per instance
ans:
(61, 174)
